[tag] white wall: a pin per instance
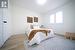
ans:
(68, 15)
(19, 18)
(19, 14)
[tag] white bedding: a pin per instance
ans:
(39, 36)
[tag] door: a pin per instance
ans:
(3, 22)
(1, 28)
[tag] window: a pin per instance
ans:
(52, 18)
(57, 17)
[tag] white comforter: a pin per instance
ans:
(40, 36)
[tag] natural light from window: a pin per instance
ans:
(52, 18)
(57, 17)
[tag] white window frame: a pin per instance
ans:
(57, 17)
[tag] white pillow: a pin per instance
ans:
(35, 26)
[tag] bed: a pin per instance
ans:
(39, 34)
(36, 34)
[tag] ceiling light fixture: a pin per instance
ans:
(41, 2)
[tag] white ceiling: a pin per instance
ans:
(32, 5)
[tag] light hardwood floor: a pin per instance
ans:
(15, 42)
(18, 42)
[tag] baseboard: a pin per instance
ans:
(59, 34)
